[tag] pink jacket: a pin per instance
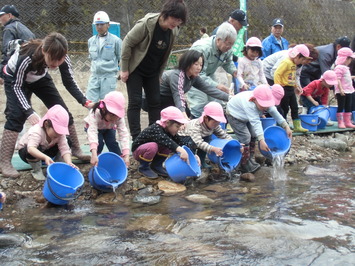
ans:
(344, 75)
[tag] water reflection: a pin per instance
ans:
(308, 218)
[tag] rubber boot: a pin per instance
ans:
(246, 166)
(340, 119)
(37, 170)
(252, 154)
(202, 154)
(347, 120)
(297, 126)
(157, 164)
(8, 143)
(75, 148)
(144, 169)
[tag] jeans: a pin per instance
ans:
(108, 137)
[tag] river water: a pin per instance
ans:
(304, 218)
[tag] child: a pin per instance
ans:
(250, 68)
(106, 116)
(243, 114)
(43, 141)
(285, 75)
(317, 92)
(153, 145)
(344, 89)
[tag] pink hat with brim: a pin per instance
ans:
(330, 77)
(253, 42)
(59, 118)
(343, 54)
(263, 95)
(278, 92)
(115, 103)
(215, 111)
(299, 49)
(171, 113)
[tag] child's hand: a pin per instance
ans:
(218, 151)
(126, 160)
(183, 154)
(245, 87)
(48, 160)
(94, 160)
(74, 166)
(342, 93)
(263, 145)
(198, 160)
(3, 197)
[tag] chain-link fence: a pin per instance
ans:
(314, 21)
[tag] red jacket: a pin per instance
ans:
(316, 90)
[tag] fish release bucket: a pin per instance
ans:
(310, 122)
(333, 112)
(323, 114)
(110, 172)
(231, 154)
(178, 170)
(277, 140)
(267, 122)
(63, 183)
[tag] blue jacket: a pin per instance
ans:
(271, 45)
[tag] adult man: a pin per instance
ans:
(274, 42)
(237, 18)
(216, 52)
(14, 31)
(326, 58)
(105, 53)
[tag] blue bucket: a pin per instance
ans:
(231, 154)
(178, 170)
(277, 140)
(323, 114)
(310, 122)
(333, 112)
(267, 122)
(110, 172)
(63, 183)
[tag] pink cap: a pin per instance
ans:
(278, 92)
(59, 118)
(215, 111)
(115, 103)
(299, 49)
(330, 77)
(263, 95)
(171, 113)
(253, 42)
(343, 54)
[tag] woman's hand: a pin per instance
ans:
(124, 76)
(33, 118)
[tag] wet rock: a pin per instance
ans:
(152, 223)
(171, 187)
(203, 178)
(11, 240)
(311, 170)
(109, 198)
(335, 144)
(240, 189)
(146, 191)
(146, 199)
(206, 214)
(137, 185)
(255, 190)
(147, 181)
(238, 211)
(202, 199)
(216, 188)
(249, 177)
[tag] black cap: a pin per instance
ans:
(240, 16)
(9, 10)
(277, 22)
(343, 41)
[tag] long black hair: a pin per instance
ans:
(188, 59)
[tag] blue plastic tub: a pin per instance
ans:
(277, 140)
(310, 122)
(323, 114)
(178, 170)
(63, 183)
(333, 112)
(267, 122)
(110, 172)
(231, 154)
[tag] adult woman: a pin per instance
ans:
(175, 83)
(27, 72)
(145, 51)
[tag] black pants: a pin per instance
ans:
(289, 100)
(167, 101)
(44, 89)
(151, 86)
(344, 102)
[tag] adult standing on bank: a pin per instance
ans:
(275, 42)
(145, 52)
(105, 54)
(237, 18)
(14, 32)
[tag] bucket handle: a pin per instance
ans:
(319, 121)
(76, 194)
(322, 108)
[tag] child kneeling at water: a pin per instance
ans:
(104, 119)
(153, 145)
(201, 129)
(44, 140)
(243, 113)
